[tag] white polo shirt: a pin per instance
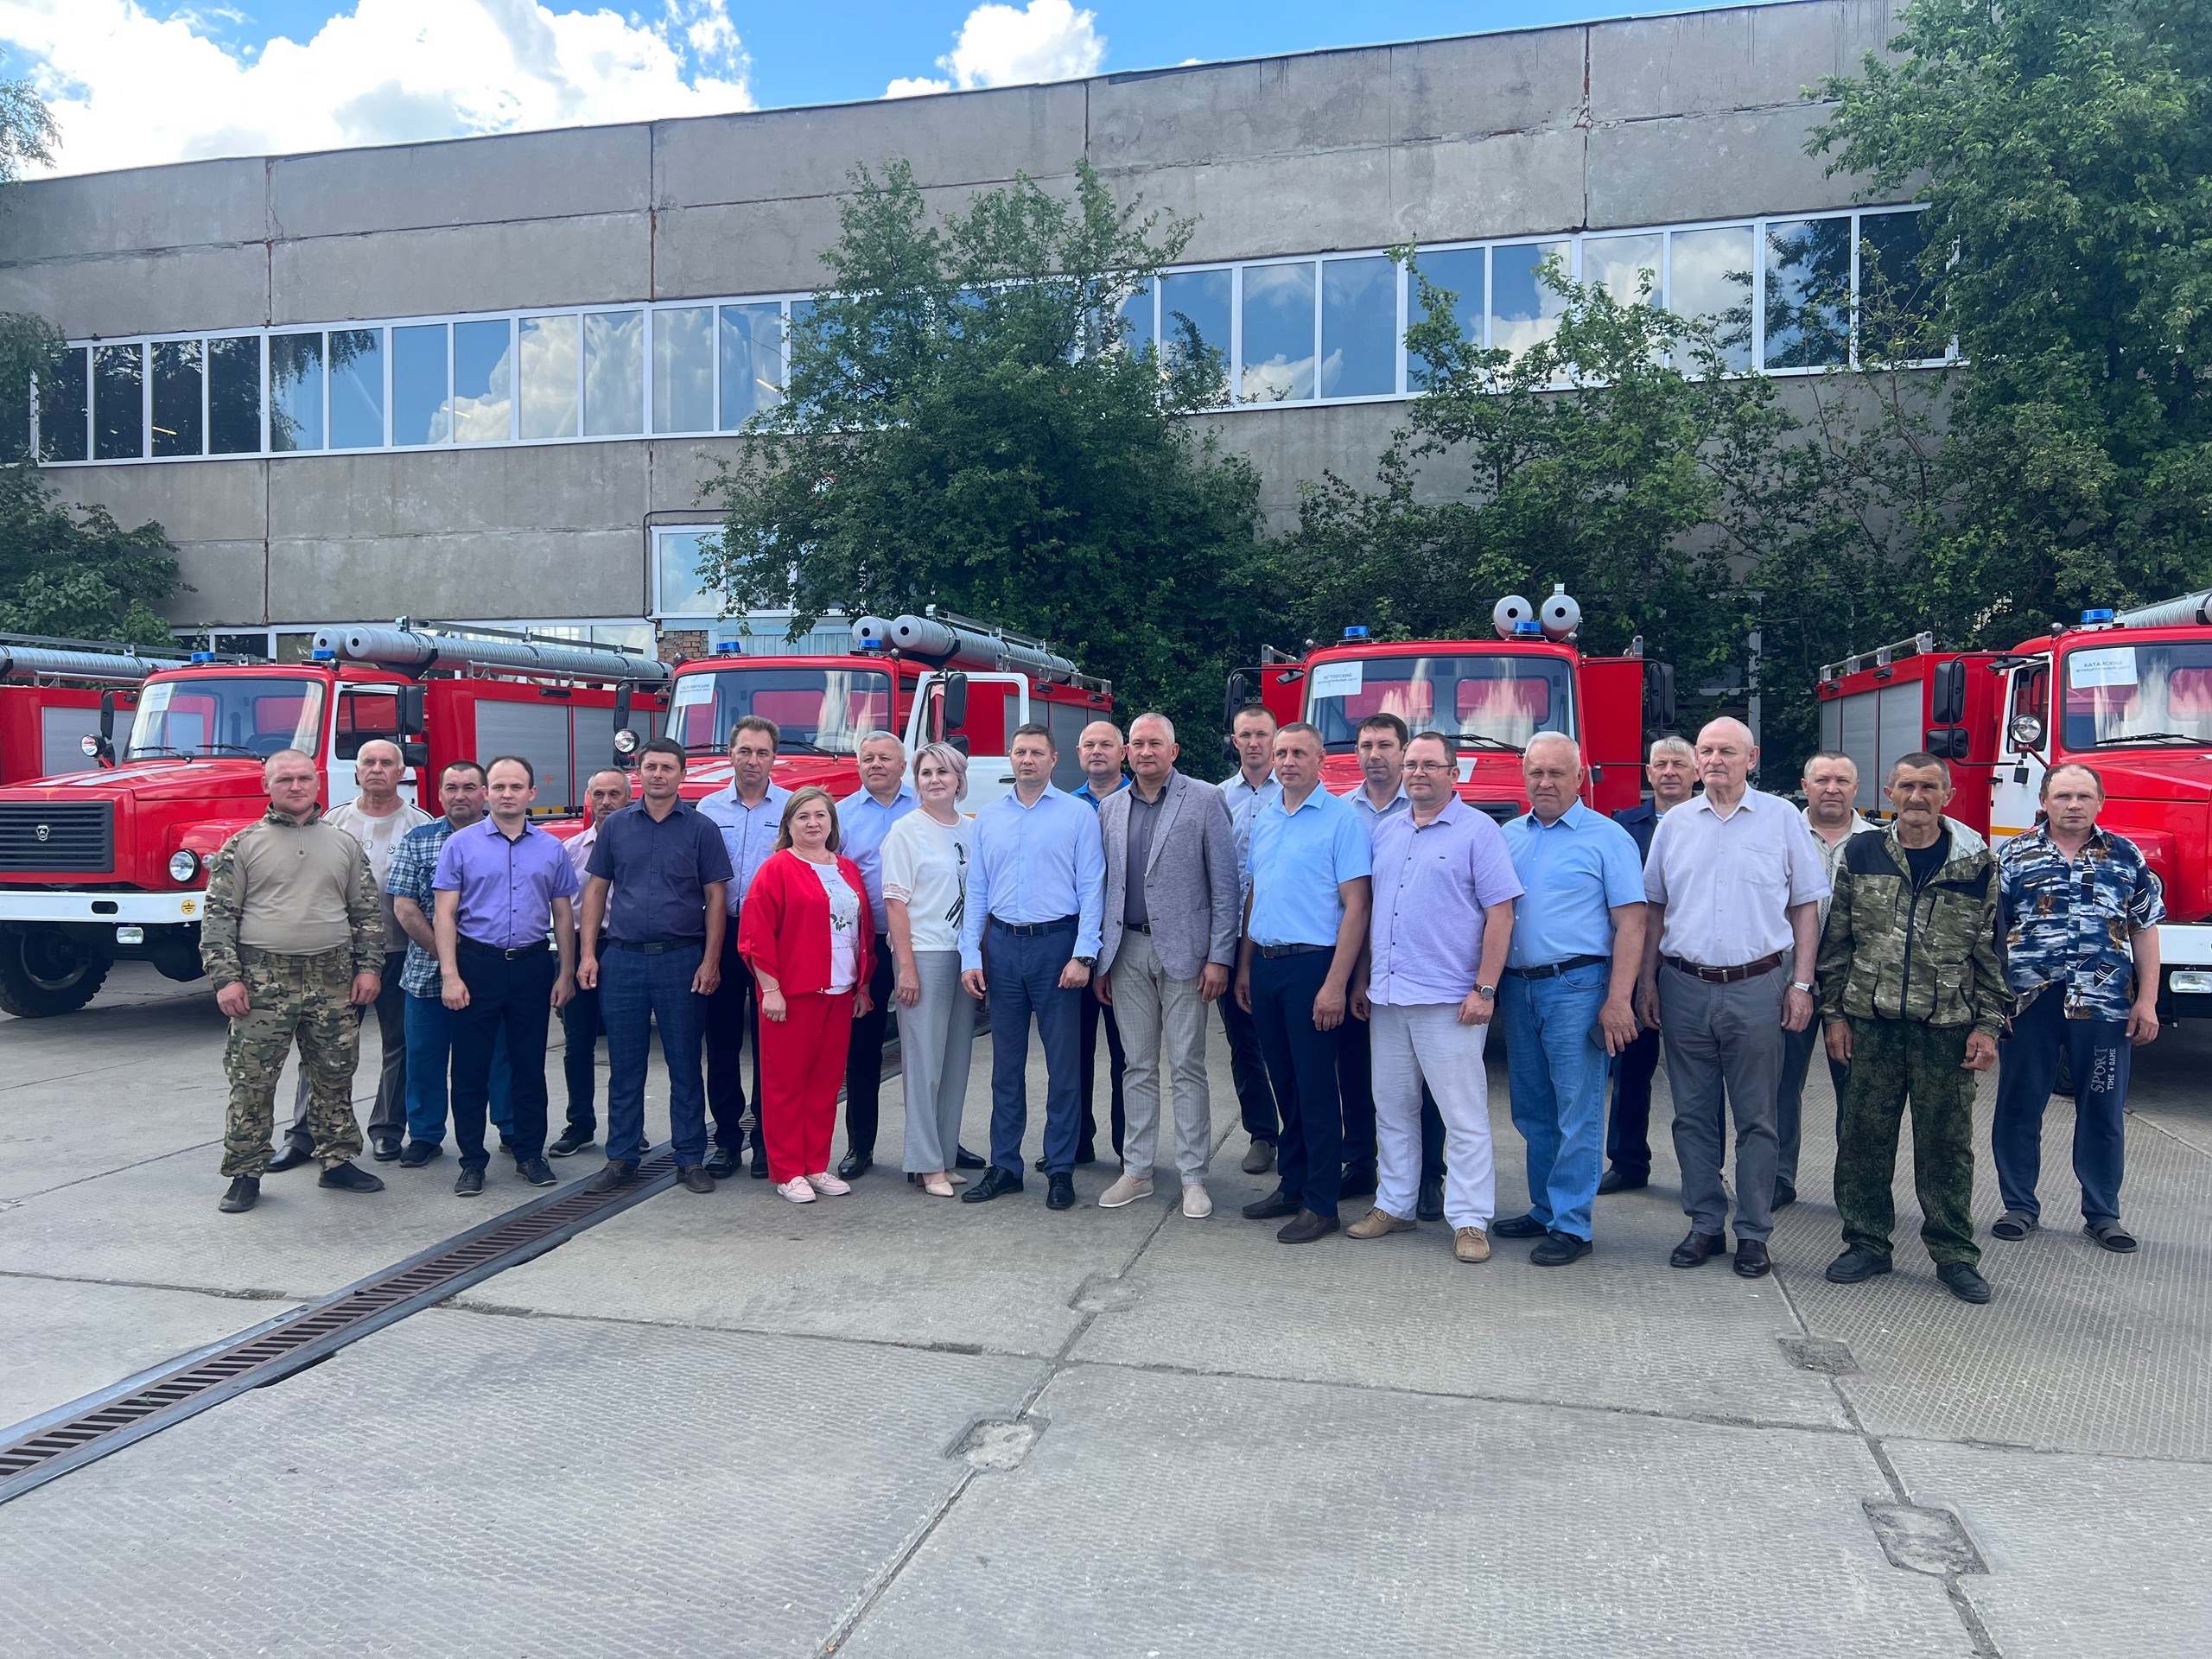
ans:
(1728, 883)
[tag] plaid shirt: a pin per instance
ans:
(2069, 923)
(414, 862)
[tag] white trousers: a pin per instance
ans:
(1163, 1024)
(1424, 1042)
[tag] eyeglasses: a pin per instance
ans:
(1429, 766)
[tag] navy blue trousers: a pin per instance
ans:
(636, 991)
(513, 1000)
(1302, 1065)
(1024, 976)
(2027, 1064)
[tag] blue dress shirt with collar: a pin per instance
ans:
(862, 822)
(1576, 871)
(748, 833)
(1299, 859)
(1035, 864)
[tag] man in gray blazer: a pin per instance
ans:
(1168, 944)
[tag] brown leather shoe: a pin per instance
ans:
(1470, 1244)
(1698, 1249)
(1377, 1222)
(614, 1177)
(696, 1179)
(1306, 1227)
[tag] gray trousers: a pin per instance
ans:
(935, 1038)
(1724, 1045)
(1163, 1024)
(1797, 1047)
(388, 1120)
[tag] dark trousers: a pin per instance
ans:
(864, 1055)
(1797, 1048)
(1302, 1063)
(513, 999)
(1087, 1060)
(636, 992)
(731, 1012)
(1893, 1061)
(1628, 1129)
(2027, 1066)
(1024, 973)
(581, 1025)
(1256, 1101)
(1356, 1090)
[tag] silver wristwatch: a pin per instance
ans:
(1797, 985)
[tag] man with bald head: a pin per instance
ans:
(376, 817)
(1099, 751)
(1734, 885)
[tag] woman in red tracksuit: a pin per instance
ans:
(806, 933)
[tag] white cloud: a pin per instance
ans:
(129, 88)
(1047, 39)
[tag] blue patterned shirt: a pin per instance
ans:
(414, 862)
(2068, 922)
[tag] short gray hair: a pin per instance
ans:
(882, 737)
(1673, 743)
(1158, 719)
(1529, 747)
(398, 753)
(946, 755)
(1819, 755)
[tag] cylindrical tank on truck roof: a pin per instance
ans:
(2191, 610)
(116, 668)
(412, 652)
(943, 645)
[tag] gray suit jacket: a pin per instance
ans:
(1189, 882)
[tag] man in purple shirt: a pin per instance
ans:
(1436, 944)
(501, 887)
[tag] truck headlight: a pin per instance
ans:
(184, 864)
(2190, 982)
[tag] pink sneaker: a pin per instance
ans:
(827, 1184)
(796, 1190)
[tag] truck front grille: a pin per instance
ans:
(41, 835)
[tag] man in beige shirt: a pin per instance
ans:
(294, 938)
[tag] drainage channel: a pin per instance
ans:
(86, 1430)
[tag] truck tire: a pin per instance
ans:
(43, 971)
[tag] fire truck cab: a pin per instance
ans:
(2128, 694)
(1490, 697)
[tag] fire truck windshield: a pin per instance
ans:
(1491, 701)
(222, 714)
(2147, 695)
(817, 710)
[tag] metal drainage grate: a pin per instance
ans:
(90, 1429)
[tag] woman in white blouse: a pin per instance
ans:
(924, 889)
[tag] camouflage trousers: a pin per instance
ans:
(304, 998)
(1893, 1061)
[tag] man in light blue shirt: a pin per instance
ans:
(864, 818)
(1567, 1003)
(749, 813)
(1306, 923)
(1029, 940)
(1253, 735)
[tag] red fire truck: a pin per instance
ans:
(110, 865)
(1490, 697)
(2129, 695)
(56, 693)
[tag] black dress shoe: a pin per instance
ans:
(997, 1183)
(721, 1163)
(469, 1184)
(694, 1179)
(1559, 1248)
(855, 1164)
(1698, 1249)
(1856, 1266)
(288, 1157)
(245, 1193)
(963, 1158)
(572, 1141)
(1963, 1281)
(417, 1154)
(1617, 1180)
(1751, 1259)
(1430, 1205)
(1518, 1227)
(1358, 1181)
(1086, 1155)
(1784, 1195)
(1059, 1192)
(1276, 1204)
(617, 1175)
(350, 1177)
(385, 1148)
(537, 1171)
(1305, 1227)
(505, 1145)
(760, 1169)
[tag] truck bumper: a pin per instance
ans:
(109, 909)
(2185, 970)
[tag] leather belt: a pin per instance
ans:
(1554, 970)
(1273, 951)
(656, 947)
(1136, 927)
(1034, 930)
(1726, 976)
(478, 948)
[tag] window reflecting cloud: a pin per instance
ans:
(1359, 327)
(1524, 308)
(1279, 353)
(683, 370)
(1712, 280)
(547, 348)
(483, 381)
(614, 373)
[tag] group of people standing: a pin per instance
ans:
(1360, 948)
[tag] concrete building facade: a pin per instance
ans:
(485, 379)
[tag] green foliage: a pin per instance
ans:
(2065, 150)
(79, 575)
(963, 426)
(28, 345)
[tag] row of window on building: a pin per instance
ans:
(1783, 294)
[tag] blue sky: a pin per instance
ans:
(134, 82)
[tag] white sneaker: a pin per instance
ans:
(1126, 1191)
(827, 1184)
(796, 1190)
(1198, 1204)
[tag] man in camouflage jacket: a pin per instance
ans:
(293, 937)
(1912, 999)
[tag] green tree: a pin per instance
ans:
(28, 345)
(2064, 148)
(77, 573)
(963, 424)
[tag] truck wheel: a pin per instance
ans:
(44, 971)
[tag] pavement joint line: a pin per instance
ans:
(102, 1174)
(217, 1291)
(2170, 1134)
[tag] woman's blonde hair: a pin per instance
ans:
(801, 798)
(949, 757)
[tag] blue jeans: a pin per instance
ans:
(2027, 1062)
(1558, 1076)
(1024, 976)
(1302, 1065)
(429, 1057)
(635, 990)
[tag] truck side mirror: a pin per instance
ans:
(959, 740)
(624, 755)
(954, 708)
(417, 754)
(411, 715)
(1235, 696)
(101, 748)
(1948, 742)
(1947, 694)
(1659, 693)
